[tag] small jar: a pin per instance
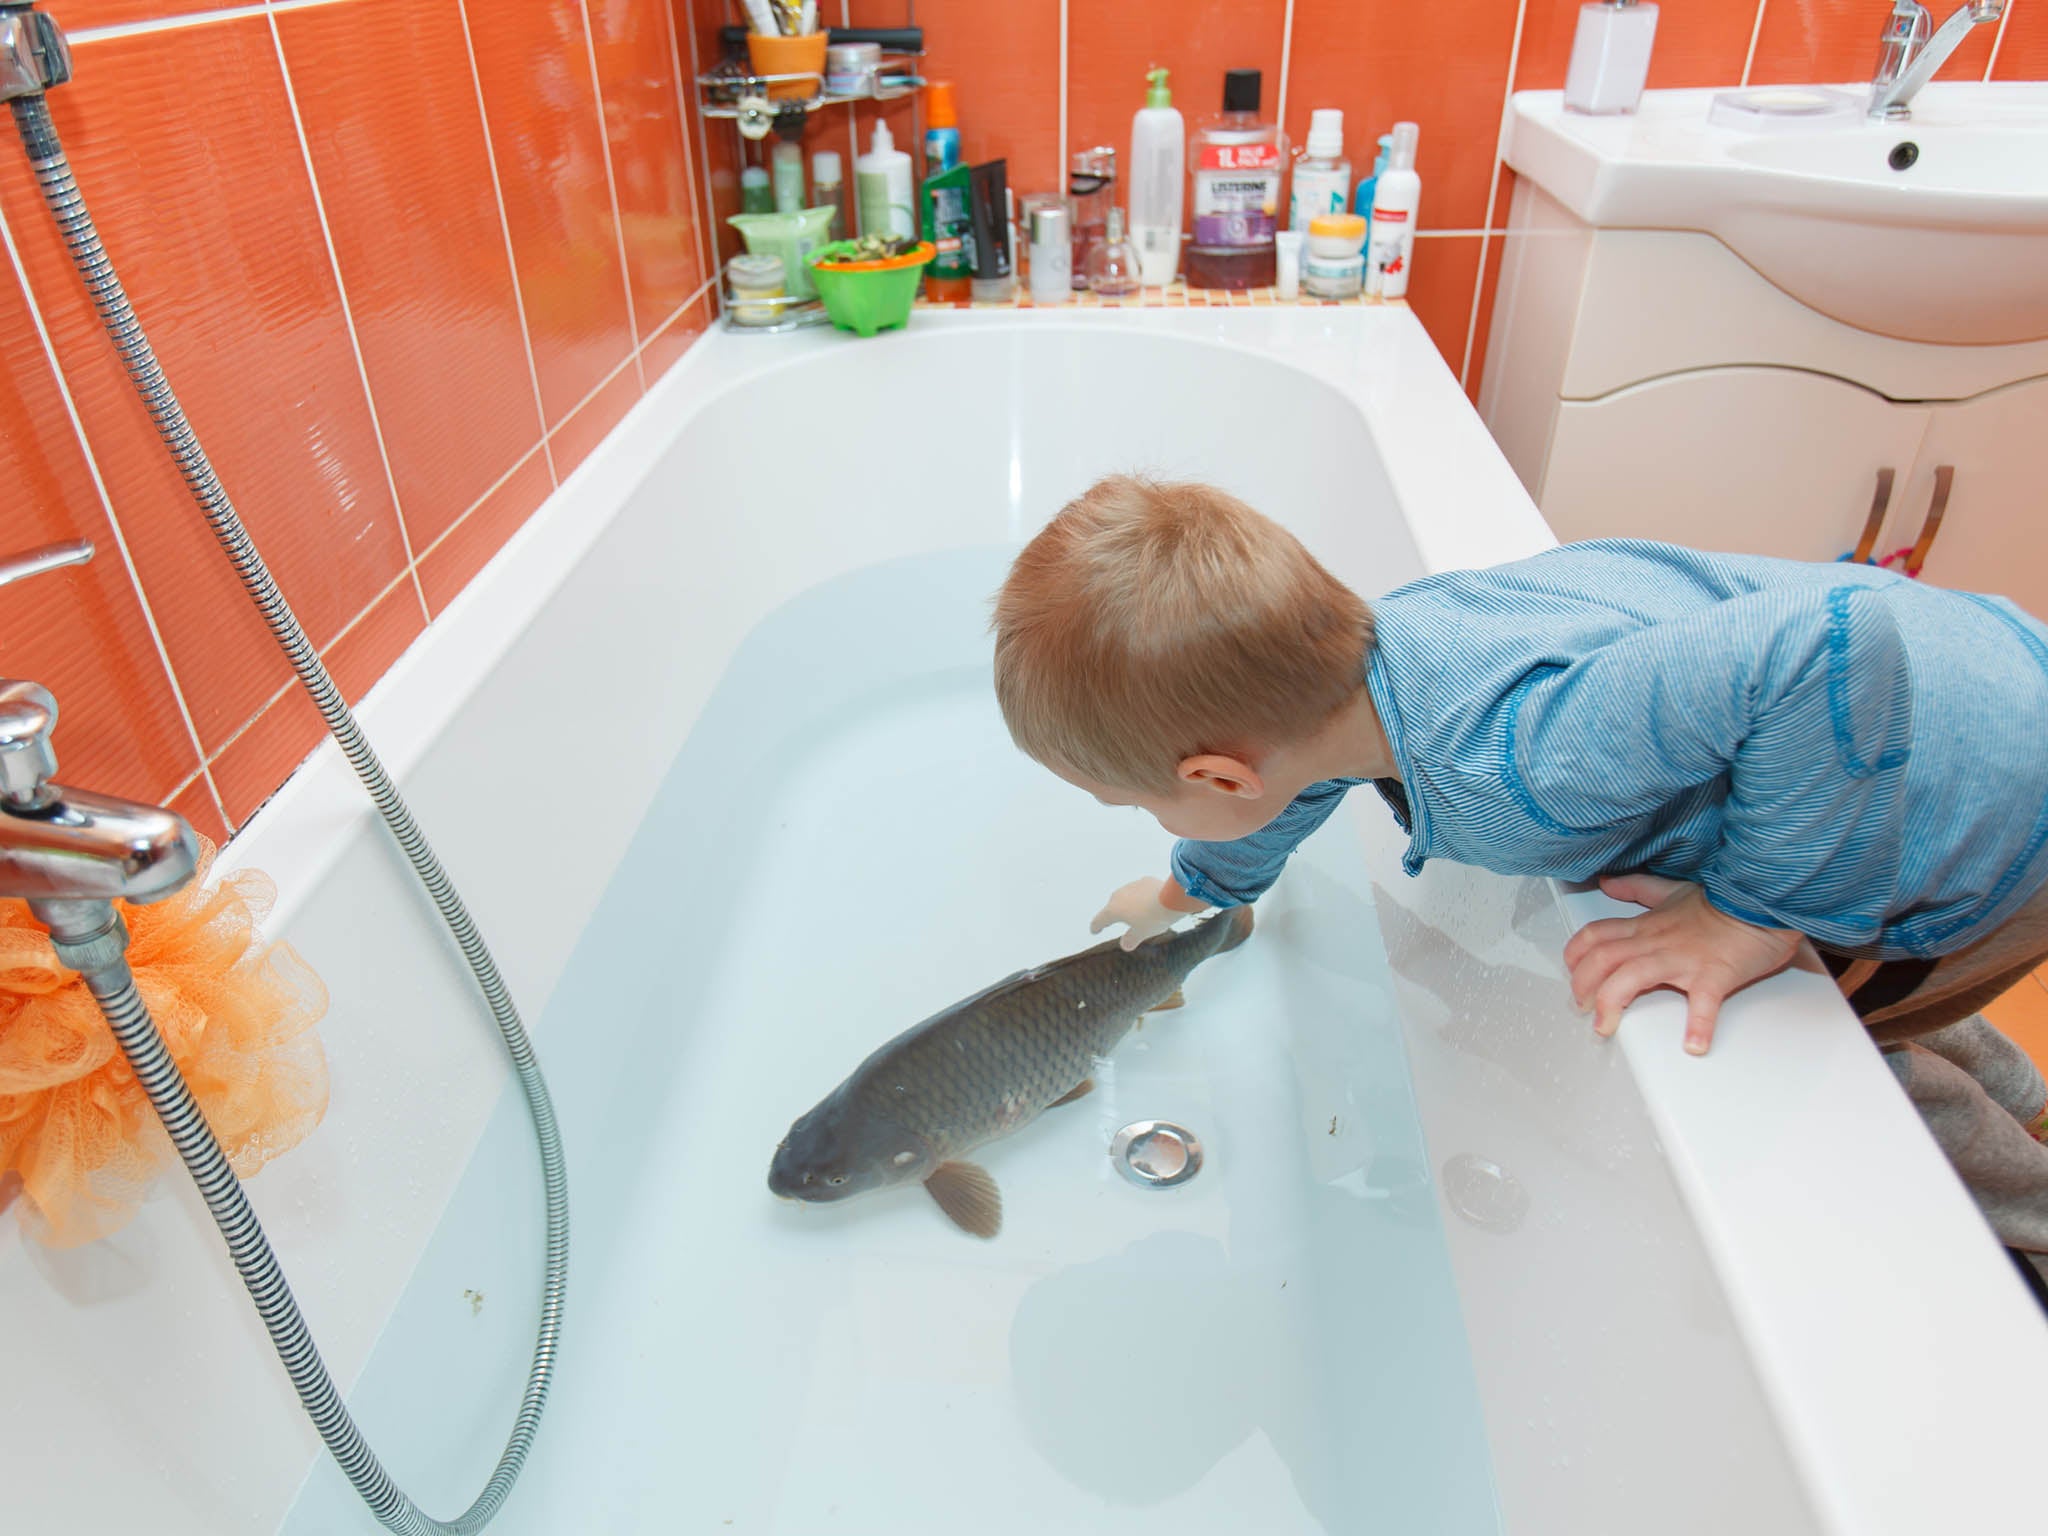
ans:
(1333, 277)
(850, 68)
(1333, 236)
(753, 280)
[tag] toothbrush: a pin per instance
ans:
(809, 24)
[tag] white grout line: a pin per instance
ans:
(1998, 42)
(1492, 196)
(1756, 31)
(1286, 61)
(476, 80)
(1061, 169)
(347, 313)
(117, 30)
(686, 109)
(35, 312)
(710, 209)
(497, 485)
(611, 185)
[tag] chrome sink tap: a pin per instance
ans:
(1909, 53)
(61, 848)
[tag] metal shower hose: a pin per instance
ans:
(114, 987)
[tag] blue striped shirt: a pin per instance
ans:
(1829, 748)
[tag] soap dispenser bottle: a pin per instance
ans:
(1610, 56)
(1158, 143)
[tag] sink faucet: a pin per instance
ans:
(1908, 54)
(69, 851)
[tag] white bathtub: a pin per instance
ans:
(710, 750)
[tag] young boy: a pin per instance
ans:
(1752, 749)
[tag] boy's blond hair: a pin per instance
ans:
(1150, 622)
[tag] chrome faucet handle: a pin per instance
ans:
(49, 557)
(28, 714)
(1906, 32)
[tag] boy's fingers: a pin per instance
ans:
(1628, 982)
(1593, 935)
(1132, 939)
(1703, 1008)
(1599, 961)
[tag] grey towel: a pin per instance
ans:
(1978, 1094)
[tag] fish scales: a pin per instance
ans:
(984, 1068)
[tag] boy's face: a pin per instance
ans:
(1214, 799)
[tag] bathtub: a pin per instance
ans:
(711, 751)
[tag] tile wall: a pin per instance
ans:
(407, 261)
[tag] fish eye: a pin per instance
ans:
(837, 1178)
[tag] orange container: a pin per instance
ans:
(789, 56)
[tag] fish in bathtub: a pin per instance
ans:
(987, 1066)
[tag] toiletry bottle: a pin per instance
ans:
(995, 277)
(1115, 268)
(1238, 162)
(882, 177)
(942, 128)
(788, 160)
(949, 226)
(1322, 176)
(828, 190)
(1610, 56)
(1158, 148)
(1091, 188)
(1391, 238)
(1052, 255)
(755, 196)
(1362, 203)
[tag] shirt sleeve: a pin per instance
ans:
(1234, 874)
(1795, 706)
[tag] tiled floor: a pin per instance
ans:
(2023, 1016)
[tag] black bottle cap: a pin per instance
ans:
(1240, 90)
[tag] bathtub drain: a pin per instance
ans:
(1156, 1153)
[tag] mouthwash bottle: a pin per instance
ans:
(1238, 164)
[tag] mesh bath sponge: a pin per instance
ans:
(79, 1143)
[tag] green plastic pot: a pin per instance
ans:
(868, 296)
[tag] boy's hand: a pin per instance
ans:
(1683, 942)
(1145, 907)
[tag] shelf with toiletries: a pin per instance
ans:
(736, 94)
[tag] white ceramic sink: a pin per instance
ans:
(1945, 242)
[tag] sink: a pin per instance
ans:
(1933, 229)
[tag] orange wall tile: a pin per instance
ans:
(1385, 60)
(340, 314)
(419, 245)
(2023, 54)
(540, 94)
(1699, 42)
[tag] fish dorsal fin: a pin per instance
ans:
(1080, 1090)
(968, 1196)
(1177, 1000)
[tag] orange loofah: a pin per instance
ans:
(79, 1142)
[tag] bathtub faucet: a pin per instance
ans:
(1908, 54)
(70, 852)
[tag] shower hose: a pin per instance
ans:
(98, 956)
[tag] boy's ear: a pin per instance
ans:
(1225, 775)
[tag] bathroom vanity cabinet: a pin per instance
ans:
(1650, 383)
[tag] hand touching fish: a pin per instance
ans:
(914, 1110)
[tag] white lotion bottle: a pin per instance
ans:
(1394, 201)
(881, 177)
(1158, 153)
(1610, 56)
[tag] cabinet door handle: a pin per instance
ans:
(1937, 509)
(1880, 503)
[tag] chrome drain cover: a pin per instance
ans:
(1157, 1153)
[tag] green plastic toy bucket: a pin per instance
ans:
(868, 296)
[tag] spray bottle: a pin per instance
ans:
(1391, 244)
